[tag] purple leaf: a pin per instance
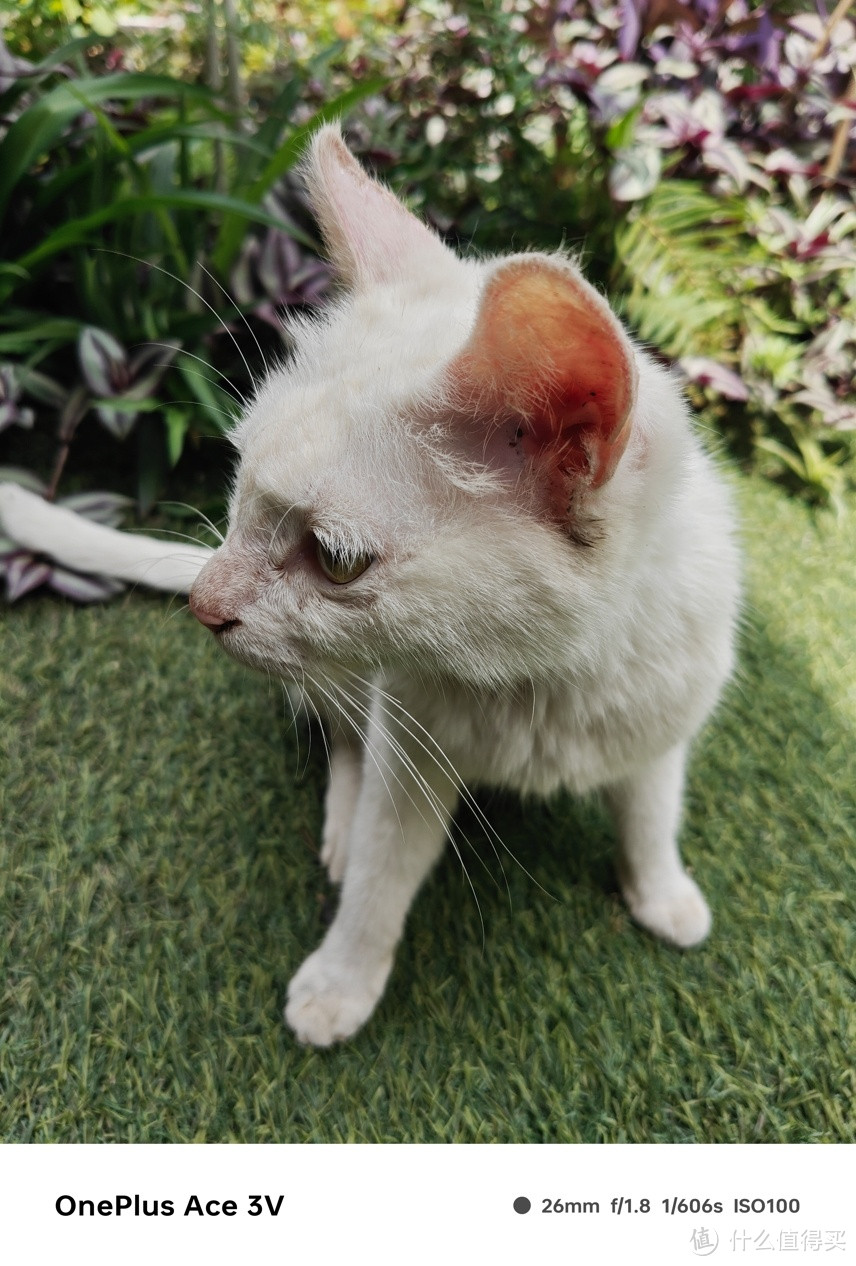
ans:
(754, 92)
(101, 507)
(728, 158)
(83, 588)
(119, 422)
(618, 90)
(317, 283)
(148, 366)
(631, 27)
(839, 414)
(784, 162)
(688, 122)
(242, 274)
(768, 43)
(23, 573)
(104, 362)
(634, 173)
(10, 414)
(10, 390)
(26, 478)
(270, 314)
(73, 411)
(709, 373)
(279, 260)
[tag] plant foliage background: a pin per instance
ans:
(698, 155)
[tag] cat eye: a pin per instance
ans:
(341, 568)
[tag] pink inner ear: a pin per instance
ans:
(546, 347)
(371, 236)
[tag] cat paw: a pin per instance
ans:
(677, 913)
(328, 1000)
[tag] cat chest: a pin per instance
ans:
(540, 742)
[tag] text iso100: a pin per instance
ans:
(766, 1204)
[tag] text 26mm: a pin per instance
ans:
(569, 1206)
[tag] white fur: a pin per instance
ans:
(485, 644)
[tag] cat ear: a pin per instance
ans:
(372, 238)
(548, 353)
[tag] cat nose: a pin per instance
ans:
(211, 619)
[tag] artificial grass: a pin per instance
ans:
(159, 885)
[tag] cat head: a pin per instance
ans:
(423, 483)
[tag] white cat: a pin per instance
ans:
(472, 523)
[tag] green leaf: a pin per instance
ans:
(126, 404)
(77, 232)
(277, 116)
(42, 387)
(151, 465)
(41, 70)
(139, 147)
(43, 123)
(682, 263)
(787, 456)
(232, 229)
(21, 341)
(620, 134)
(219, 407)
(177, 423)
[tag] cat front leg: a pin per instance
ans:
(659, 893)
(340, 804)
(398, 830)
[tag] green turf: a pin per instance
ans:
(160, 885)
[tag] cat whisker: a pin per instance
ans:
(166, 273)
(294, 726)
(419, 779)
(404, 756)
(215, 382)
(176, 611)
(215, 531)
(454, 776)
(532, 714)
(249, 328)
(170, 533)
(231, 418)
(143, 568)
(295, 721)
(456, 782)
(242, 399)
(310, 703)
(275, 533)
(336, 704)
